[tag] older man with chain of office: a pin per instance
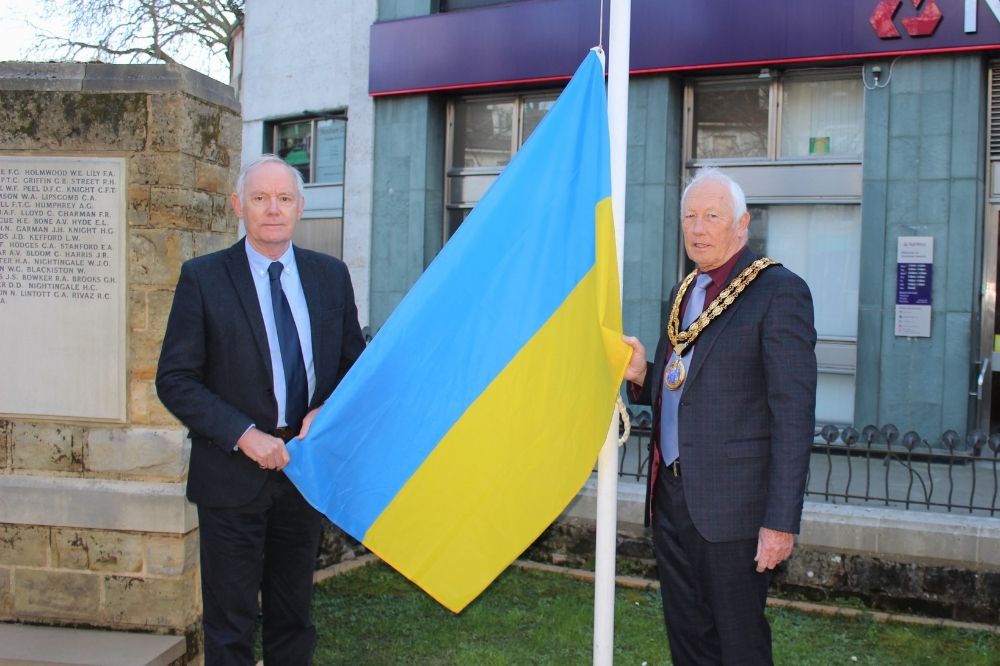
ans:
(733, 391)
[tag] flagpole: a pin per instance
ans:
(607, 462)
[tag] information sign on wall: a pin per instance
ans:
(914, 283)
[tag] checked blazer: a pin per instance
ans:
(747, 412)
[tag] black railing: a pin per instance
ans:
(877, 466)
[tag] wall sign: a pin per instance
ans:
(544, 40)
(914, 284)
(62, 287)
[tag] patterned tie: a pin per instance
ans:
(668, 404)
(296, 385)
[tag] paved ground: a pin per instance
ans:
(21, 645)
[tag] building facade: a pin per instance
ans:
(301, 73)
(863, 132)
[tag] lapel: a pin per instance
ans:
(708, 338)
(238, 267)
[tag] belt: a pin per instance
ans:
(674, 467)
(285, 434)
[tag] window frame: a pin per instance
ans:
(775, 109)
(271, 141)
(480, 178)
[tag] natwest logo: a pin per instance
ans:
(927, 19)
(922, 25)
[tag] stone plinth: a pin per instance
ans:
(95, 530)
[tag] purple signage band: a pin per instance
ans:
(534, 41)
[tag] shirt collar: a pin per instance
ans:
(259, 263)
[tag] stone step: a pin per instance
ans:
(28, 645)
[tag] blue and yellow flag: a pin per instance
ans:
(477, 412)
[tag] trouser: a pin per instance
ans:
(268, 546)
(713, 597)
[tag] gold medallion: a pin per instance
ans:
(673, 378)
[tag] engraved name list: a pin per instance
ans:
(57, 236)
(62, 287)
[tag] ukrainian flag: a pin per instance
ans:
(477, 412)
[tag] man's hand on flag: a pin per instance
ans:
(636, 370)
(306, 422)
(266, 450)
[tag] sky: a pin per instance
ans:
(17, 36)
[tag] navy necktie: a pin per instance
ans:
(296, 384)
(669, 446)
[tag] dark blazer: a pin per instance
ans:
(747, 412)
(215, 372)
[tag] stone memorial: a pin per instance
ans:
(111, 176)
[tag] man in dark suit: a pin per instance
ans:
(258, 337)
(733, 390)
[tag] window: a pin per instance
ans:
(821, 244)
(314, 146)
(821, 119)
(731, 120)
(483, 134)
(795, 116)
(794, 141)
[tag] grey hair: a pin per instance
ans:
(712, 174)
(268, 158)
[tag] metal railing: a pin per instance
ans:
(877, 466)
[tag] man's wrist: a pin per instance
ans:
(236, 447)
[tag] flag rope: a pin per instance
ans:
(626, 422)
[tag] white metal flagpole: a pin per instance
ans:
(607, 462)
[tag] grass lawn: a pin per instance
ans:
(372, 615)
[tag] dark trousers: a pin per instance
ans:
(713, 597)
(267, 546)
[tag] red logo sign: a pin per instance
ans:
(922, 25)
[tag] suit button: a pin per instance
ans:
(269, 393)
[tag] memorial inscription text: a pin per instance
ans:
(57, 235)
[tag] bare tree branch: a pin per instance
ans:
(143, 31)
